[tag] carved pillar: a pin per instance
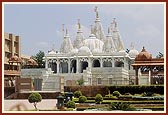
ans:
(46, 63)
(77, 65)
(69, 66)
(101, 62)
(113, 62)
(58, 66)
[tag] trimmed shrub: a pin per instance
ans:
(98, 98)
(116, 93)
(82, 99)
(70, 104)
(34, 98)
(77, 94)
(120, 106)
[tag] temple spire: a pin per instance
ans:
(63, 30)
(79, 25)
(96, 10)
(108, 30)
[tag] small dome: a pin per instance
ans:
(122, 52)
(96, 50)
(31, 62)
(52, 52)
(84, 49)
(133, 53)
(15, 59)
(143, 55)
(74, 51)
(92, 36)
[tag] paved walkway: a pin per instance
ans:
(14, 105)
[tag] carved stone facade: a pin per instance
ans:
(97, 60)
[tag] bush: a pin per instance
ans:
(77, 94)
(70, 104)
(98, 98)
(116, 93)
(146, 94)
(34, 98)
(82, 99)
(120, 106)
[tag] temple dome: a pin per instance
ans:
(31, 62)
(122, 52)
(143, 55)
(15, 59)
(93, 43)
(84, 50)
(52, 52)
(74, 51)
(133, 53)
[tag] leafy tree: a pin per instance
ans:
(98, 98)
(39, 59)
(80, 82)
(159, 55)
(34, 98)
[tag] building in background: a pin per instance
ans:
(12, 58)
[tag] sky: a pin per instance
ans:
(40, 25)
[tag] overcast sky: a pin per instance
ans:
(40, 25)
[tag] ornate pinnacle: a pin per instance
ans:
(79, 24)
(97, 15)
(66, 31)
(108, 30)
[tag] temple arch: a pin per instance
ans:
(73, 66)
(119, 64)
(107, 64)
(96, 63)
(63, 67)
(84, 65)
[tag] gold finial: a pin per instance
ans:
(79, 24)
(96, 10)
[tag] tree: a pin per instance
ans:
(39, 59)
(80, 82)
(34, 98)
(159, 55)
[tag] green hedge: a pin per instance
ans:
(137, 89)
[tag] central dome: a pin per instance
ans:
(93, 43)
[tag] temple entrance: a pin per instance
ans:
(119, 64)
(73, 66)
(96, 63)
(107, 64)
(63, 67)
(84, 65)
